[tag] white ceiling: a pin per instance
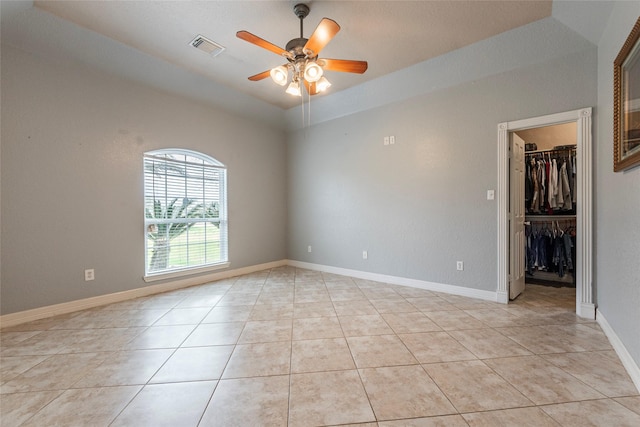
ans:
(390, 35)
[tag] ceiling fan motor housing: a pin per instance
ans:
(296, 47)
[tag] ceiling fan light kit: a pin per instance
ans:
(302, 57)
(279, 75)
(323, 84)
(312, 71)
(294, 89)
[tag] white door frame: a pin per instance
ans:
(584, 213)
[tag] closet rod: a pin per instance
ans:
(535, 218)
(551, 150)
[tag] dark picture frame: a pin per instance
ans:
(626, 103)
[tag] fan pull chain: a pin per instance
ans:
(302, 106)
(306, 119)
(309, 111)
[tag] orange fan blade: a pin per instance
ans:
(324, 32)
(252, 38)
(311, 87)
(262, 75)
(343, 65)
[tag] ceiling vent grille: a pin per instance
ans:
(204, 44)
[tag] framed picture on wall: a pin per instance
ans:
(626, 103)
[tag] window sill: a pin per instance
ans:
(184, 273)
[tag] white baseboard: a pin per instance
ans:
(627, 361)
(83, 304)
(502, 297)
(587, 310)
(13, 319)
(395, 280)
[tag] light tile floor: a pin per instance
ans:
(292, 347)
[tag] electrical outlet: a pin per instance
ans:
(309, 248)
(392, 139)
(89, 275)
(365, 255)
(459, 265)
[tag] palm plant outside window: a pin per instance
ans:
(185, 211)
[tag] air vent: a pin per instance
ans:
(204, 44)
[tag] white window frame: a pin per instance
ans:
(208, 164)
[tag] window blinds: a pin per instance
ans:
(185, 211)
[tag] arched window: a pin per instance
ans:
(185, 207)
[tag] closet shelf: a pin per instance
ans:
(549, 217)
(550, 150)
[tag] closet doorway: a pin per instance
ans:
(511, 203)
(547, 198)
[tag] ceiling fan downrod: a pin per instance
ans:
(301, 10)
(296, 46)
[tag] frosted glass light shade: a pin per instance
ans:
(312, 72)
(279, 75)
(294, 89)
(322, 84)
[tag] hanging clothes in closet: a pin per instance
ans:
(550, 182)
(550, 248)
(550, 191)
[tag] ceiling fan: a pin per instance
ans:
(302, 57)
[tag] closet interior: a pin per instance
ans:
(550, 204)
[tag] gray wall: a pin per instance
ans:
(420, 205)
(71, 191)
(72, 145)
(617, 200)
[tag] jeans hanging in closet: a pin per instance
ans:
(542, 243)
(560, 255)
(568, 244)
(539, 250)
(529, 253)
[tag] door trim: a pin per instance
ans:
(584, 212)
